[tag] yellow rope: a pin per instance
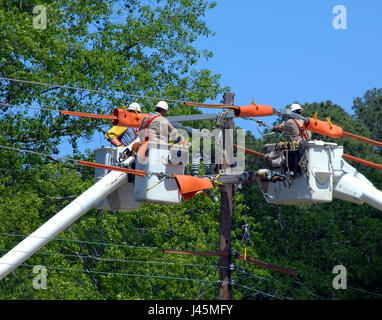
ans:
(315, 116)
(158, 182)
(217, 182)
(329, 121)
(155, 184)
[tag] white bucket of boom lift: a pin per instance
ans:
(121, 199)
(315, 184)
(161, 158)
(326, 175)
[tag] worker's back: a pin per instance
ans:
(294, 128)
(291, 129)
(158, 129)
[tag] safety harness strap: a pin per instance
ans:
(301, 130)
(149, 119)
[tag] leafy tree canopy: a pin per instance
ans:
(148, 48)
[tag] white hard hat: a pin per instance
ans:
(135, 106)
(162, 104)
(295, 106)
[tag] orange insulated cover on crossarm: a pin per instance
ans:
(324, 128)
(190, 186)
(254, 110)
(127, 119)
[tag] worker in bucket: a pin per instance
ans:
(294, 128)
(156, 128)
(122, 136)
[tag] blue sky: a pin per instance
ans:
(277, 52)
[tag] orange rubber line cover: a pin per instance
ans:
(210, 105)
(249, 151)
(87, 115)
(363, 139)
(365, 162)
(254, 110)
(113, 168)
(324, 128)
(123, 118)
(190, 186)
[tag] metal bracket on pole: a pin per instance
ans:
(290, 114)
(198, 117)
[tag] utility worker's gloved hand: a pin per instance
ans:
(275, 129)
(184, 142)
(181, 140)
(114, 140)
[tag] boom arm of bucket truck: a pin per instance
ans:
(350, 185)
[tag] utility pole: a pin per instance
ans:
(225, 223)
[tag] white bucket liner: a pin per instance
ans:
(121, 199)
(313, 186)
(160, 158)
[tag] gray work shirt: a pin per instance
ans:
(291, 130)
(160, 130)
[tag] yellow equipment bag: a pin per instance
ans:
(115, 132)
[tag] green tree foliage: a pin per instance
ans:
(117, 47)
(369, 109)
(148, 49)
(313, 239)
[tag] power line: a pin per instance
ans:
(168, 232)
(273, 279)
(27, 107)
(85, 242)
(361, 290)
(122, 274)
(148, 276)
(66, 159)
(89, 242)
(255, 290)
(90, 90)
(102, 91)
(299, 283)
(101, 259)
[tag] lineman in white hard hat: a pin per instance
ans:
(122, 136)
(295, 107)
(135, 106)
(156, 128)
(162, 105)
(294, 128)
(129, 135)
